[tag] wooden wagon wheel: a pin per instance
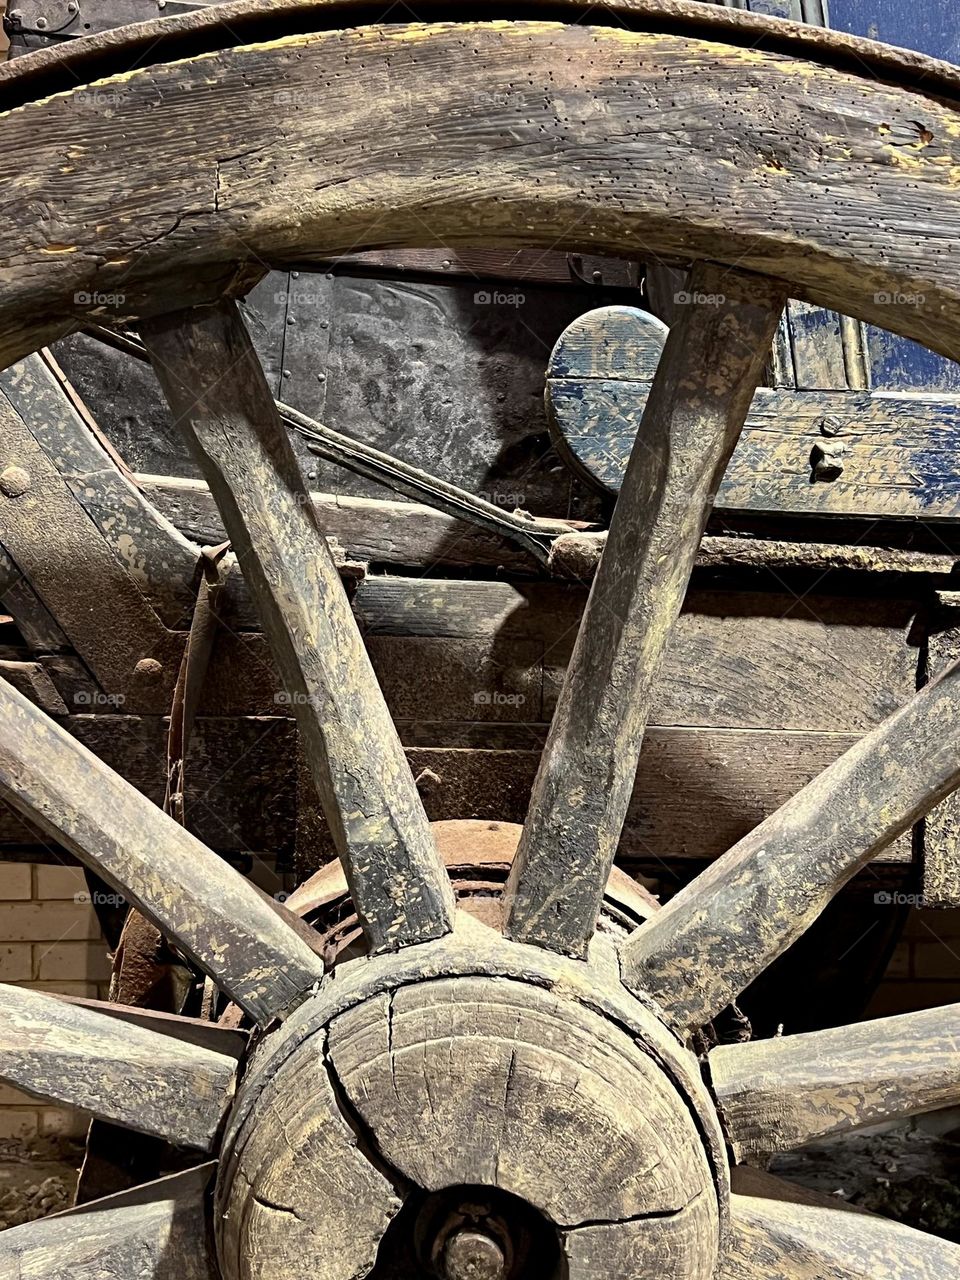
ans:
(476, 1102)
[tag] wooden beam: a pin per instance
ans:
(218, 394)
(116, 1070)
(217, 918)
(777, 1240)
(774, 1095)
(725, 928)
(155, 1232)
(698, 401)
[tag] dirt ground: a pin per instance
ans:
(910, 1174)
(37, 1177)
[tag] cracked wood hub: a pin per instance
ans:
(428, 1098)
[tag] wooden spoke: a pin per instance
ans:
(218, 919)
(117, 1071)
(724, 928)
(157, 1232)
(780, 1240)
(697, 405)
(217, 391)
(780, 1093)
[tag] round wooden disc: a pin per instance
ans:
(598, 377)
(468, 1082)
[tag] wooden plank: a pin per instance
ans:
(775, 1095)
(152, 551)
(157, 1232)
(774, 1240)
(941, 839)
(698, 790)
(416, 536)
(720, 932)
(116, 1070)
(217, 392)
(218, 919)
(897, 182)
(698, 400)
(365, 529)
(48, 533)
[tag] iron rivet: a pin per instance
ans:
(831, 425)
(149, 667)
(827, 459)
(14, 481)
(41, 24)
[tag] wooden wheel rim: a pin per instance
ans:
(202, 215)
(111, 218)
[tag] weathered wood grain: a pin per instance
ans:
(298, 1193)
(481, 1081)
(216, 389)
(156, 1232)
(48, 533)
(159, 559)
(774, 1095)
(698, 790)
(116, 1070)
(365, 529)
(214, 915)
(722, 930)
(774, 1240)
(416, 536)
(753, 192)
(485, 1081)
(698, 400)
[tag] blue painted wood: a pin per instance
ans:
(933, 27)
(894, 455)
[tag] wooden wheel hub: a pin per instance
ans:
(464, 1087)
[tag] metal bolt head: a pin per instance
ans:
(41, 24)
(73, 7)
(14, 481)
(826, 459)
(15, 15)
(831, 425)
(473, 1255)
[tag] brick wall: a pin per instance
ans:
(924, 970)
(49, 940)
